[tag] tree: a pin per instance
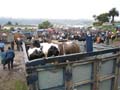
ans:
(95, 17)
(103, 18)
(112, 13)
(0, 27)
(97, 23)
(16, 23)
(45, 25)
(12, 28)
(9, 23)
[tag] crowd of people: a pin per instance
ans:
(98, 36)
(7, 57)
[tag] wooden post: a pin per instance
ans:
(96, 71)
(68, 78)
(115, 87)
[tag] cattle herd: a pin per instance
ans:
(48, 49)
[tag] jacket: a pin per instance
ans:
(10, 54)
(3, 57)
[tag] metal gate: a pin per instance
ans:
(83, 71)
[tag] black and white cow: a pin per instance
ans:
(39, 50)
(50, 49)
(34, 53)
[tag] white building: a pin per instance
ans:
(20, 27)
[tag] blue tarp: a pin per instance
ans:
(40, 30)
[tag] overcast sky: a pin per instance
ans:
(56, 9)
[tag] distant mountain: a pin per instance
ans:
(54, 21)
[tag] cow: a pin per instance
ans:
(52, 49)
(34, 53)
(40, 50)
(69, 47)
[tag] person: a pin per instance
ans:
(16, 41)
(19, 44)
(11, 40)
(89, 42)
(107, 38)
(3, 57)
(2, 44)
(10, 58)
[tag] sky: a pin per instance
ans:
(56, 9)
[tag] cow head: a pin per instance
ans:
(34, 53)
(36, 43)
(53, 51)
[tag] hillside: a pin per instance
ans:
(54, 21)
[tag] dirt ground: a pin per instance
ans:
(14, 79)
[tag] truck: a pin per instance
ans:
(97, 70)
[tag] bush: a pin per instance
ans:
(19, 85)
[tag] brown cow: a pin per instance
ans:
(69, 47)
